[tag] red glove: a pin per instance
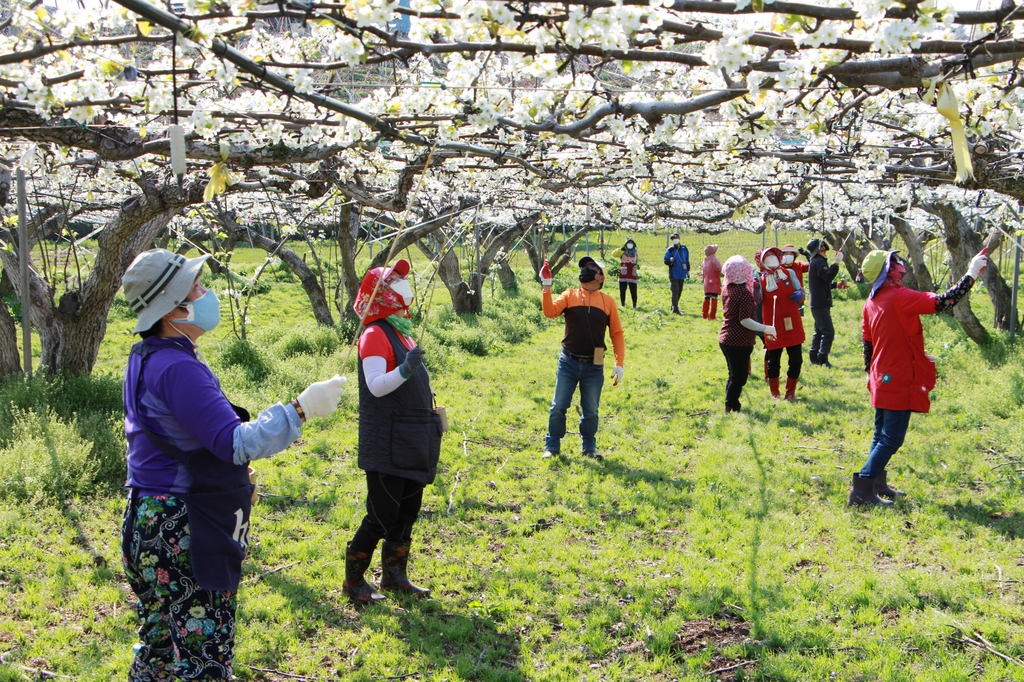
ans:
(842, 284)
(545, 274)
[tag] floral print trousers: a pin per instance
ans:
(186, 632)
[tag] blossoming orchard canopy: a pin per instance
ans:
(651, 111)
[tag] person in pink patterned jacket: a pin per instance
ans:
(711, 271)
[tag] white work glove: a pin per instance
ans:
(978, 263)
(617, 374)
(321, 399)
(545, 275)
(769, 330)
(839, 256)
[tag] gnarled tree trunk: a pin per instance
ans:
(922, 278)
(10, 361)
(310, 283)
(959, 238)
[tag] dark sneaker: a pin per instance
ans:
(592, 455)
(548, 454)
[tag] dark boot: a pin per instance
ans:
(773, 384)
(395, 559)
(863, 492)
(790, 388)
(882, 488)
(813, 356)
(356, 587)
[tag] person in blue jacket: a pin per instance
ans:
(677, 258)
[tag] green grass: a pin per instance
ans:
(696, 525)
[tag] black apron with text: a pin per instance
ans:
(399, 433)
(218, 502)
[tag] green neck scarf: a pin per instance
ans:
(401, 323)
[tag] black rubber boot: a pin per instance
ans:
(863, 492)
(356, 587)
(882, 488)
(395, 560)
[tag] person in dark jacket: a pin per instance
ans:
(399, 434)
(900, 373)
(820, 283)
(186, 524)
(739, 328)
(677, 258)
(629, 270)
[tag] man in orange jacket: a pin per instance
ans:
(588, 313)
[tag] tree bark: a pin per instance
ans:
(310, 282)
(506, 275)
(10, 360)
(922, 278)
(348, 231)
(958, 237)
(999, 292)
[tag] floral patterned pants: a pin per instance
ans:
(186, 632)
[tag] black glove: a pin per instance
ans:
(413, 362)
(805, 253)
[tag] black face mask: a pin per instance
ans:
(588, 275)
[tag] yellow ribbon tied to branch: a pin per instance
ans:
(947, 106)
(220, 179)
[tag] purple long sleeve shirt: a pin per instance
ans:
(181, 400)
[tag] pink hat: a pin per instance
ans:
(737, 270)
(710, 249)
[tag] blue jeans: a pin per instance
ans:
(590, 378)
(890, 430)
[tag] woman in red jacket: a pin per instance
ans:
(781, 309)
(900, 374)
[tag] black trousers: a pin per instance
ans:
(392, 507)
(677, 290)
(824, 332)
(738, 359)
(774, 358)
(622, 291)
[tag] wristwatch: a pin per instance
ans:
(298, 408)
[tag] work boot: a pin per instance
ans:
(395, 559)
(706, 308)
(790, 388)
(813, 355)
(863, 492)
(714, 308)
(882, 488)
(773, 384)
(592, 454)
(356, 587)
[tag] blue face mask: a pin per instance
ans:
(204, 312)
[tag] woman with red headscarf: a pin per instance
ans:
(781, 309)
(399, 433)
(739, 327)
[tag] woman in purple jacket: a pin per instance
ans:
(186, 525)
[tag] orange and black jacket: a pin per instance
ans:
(587, 315)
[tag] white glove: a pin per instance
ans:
(839, 256)
(321, 399)
(769, 330)
(617, 374)
(546, 281)
(978, 263)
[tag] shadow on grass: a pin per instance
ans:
(759, 514)
(632, 475)
(1008, 524)
(471, 644)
